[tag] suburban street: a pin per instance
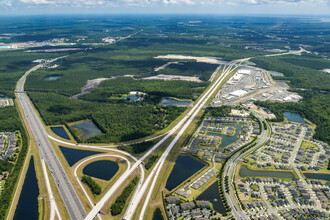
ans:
(230, 169)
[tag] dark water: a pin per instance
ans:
(74, 155)
(294, 117)
(27, 207)
(246, 172)
(319, 176)
(174, 102)
(60, 131)
(184, 167)
(88, 128)
(102, 169)
(212, 194)
(158, 215)
(226, 139)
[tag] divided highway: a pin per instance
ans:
(67, 192)
(185, 121)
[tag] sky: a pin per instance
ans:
(220, 7)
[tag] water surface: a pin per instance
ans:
(174, 102)
(88, 128)
(212, 195)
(158, 215)
(102, 169)
(294, 117)
(185, 167)
(246, 172)
(274, 73)
(74, 155)
(27, 207)
(52, 78)
(60, 131)
(227, 139)
(319, 176)
(132, 97)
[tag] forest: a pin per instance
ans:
(10, 121)
(120, 122)
(315, 107)
(93, 186)
(307, 79)
(118, 206)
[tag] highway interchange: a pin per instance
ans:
(146, 186)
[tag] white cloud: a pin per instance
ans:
(111, 3)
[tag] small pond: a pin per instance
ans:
(102, 169)
(246, 172)
(174, 102)
(212, 194)
(60, 131)
(319, 176)
(158, 215)
(52, 77)
(250, 63)
(132, 97)
(294, 117)
(274, 73)
(74, 155)
(227, 139)
(27, 207)
(88, 128)
(282, 83)
(185, 166)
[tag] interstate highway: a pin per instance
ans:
(64, 186)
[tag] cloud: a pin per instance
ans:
(123, 3)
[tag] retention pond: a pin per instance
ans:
(319, 176)
(212, 195)
(88, 129)
(27, 207)
(294, 117)
(174, 102)
(59, 131)
(246, 172)
(185, 166)
(72, 156)
(102, 169)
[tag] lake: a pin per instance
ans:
(158, 215)
(60, 131)
(52, 78)
(212, 195)
(102, 169)
(294, 117)
(319, 176)
(274, 73)
(27, 207)
(185, 167)
(246, 172)
(174, 102)
(88, 128)
(72, 156)
(227, 139)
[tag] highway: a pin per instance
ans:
(184, 121)
(230, 168)
(46, 152)
(157, 168)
